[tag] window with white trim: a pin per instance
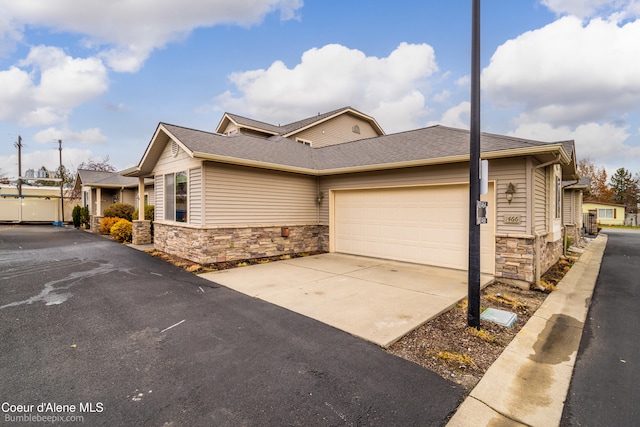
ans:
(607, 213)
(175, 196)
(558, 197)
(304, 142)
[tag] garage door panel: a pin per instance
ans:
(427, 225)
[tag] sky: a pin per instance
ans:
(100, 75)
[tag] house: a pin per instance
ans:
(336, 182)
(606, 213)
(100, 189)
(33, 204)
(573, 217)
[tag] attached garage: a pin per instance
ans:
(424, 225)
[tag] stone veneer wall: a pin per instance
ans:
(209, 245)
(550, 253)
(515, 257)
(94, 223)
(573, 233)
(141, 231)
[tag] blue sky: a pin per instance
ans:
(101, 75)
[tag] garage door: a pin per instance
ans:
(425, 225)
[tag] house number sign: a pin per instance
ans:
(511, 219)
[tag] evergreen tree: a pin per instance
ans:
(626, 190)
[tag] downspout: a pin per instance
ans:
(536, 252)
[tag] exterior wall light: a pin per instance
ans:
(511, 189)
(319, 198)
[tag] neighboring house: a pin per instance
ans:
(573, 218)
(99, 190)
(35, 204)
(335, 182)
(606, 213)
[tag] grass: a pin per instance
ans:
(483, 335)
(456, 358)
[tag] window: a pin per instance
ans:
(607, 213)
(304, 142)
(558, 197)
(175, 197)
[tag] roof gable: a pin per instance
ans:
(291, 129)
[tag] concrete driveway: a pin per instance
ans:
(374, 299)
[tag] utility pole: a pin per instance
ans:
(19, 145)
(61, 180)
(473, 308)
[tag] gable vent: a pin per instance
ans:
(174, 148)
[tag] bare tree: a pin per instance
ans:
(101, 165)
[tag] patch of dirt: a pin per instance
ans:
(445, 345)
(459, 353)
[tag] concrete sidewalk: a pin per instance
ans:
(528, 384)
(374, 299)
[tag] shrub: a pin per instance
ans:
(148, 213)
(122, 230)
(107, 223)
(76, 214)
(120, 210)
(84, 215)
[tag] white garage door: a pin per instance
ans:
(425, 225)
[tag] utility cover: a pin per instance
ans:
(501, 317)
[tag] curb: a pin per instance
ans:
(528, 384)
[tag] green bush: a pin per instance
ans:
(148, 213)
(107, 223)
(76, 214)
(120, 210)
(84, 215)
(122, 230)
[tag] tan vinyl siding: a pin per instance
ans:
(240, 196)
(337, 130)
(505, 172)
(570, 206)
(195, 196)
(540, 200)
(158, 191)
(501, 172)
(168, 163)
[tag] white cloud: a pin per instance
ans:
(456, 117)
(335, 76)
(129, 30)
(567, 73)
(45, 87)
(610, 9)
(71, 158)
(603, 144)
(86, 136)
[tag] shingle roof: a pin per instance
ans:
(291, 127)
(254, 123)
(431, 143)
(105, 179)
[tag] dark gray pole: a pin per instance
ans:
(473, 310)
(19, 145)
(61, 180)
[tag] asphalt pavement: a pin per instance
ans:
(605, 387)
(95, 331)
